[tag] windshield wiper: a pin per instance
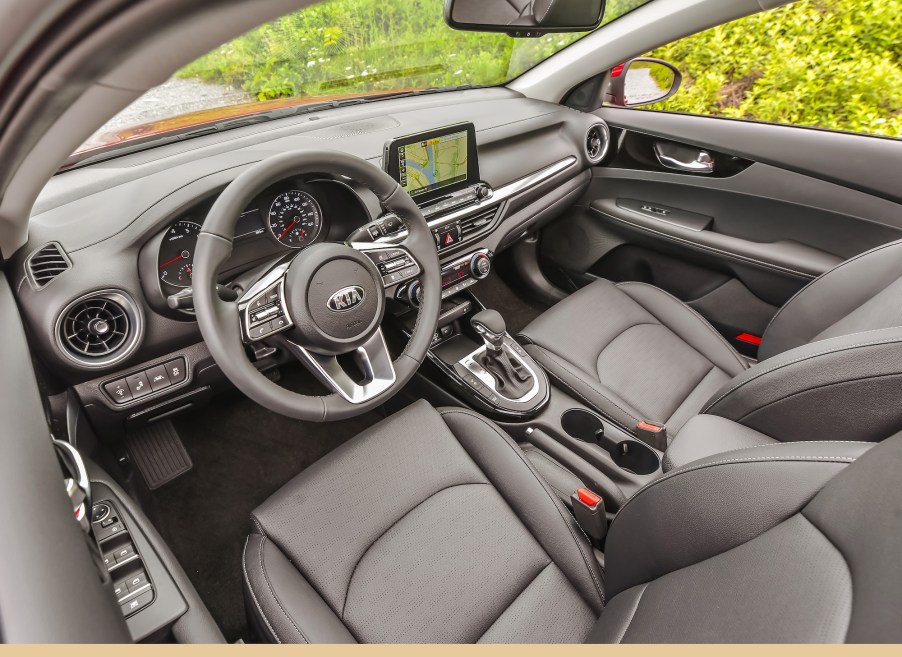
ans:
(115, 150)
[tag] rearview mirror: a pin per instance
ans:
(642, 81)
(524, 18)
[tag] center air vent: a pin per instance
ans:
(45, 264)
(99, 329)
(598, 138)
(475, 223)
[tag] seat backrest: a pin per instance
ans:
(861, 294)
(794, 542)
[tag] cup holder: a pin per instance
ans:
(630, 455)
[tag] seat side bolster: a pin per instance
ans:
(853, 381)
(279, 598)
(729, 499)
(537, 507)
(830, 297)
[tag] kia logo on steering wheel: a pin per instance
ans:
(345, 299)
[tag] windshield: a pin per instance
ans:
(331, 51)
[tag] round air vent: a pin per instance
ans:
(598, 138)
(99, 329)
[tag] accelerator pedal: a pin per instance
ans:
(159, 453)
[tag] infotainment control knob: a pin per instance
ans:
(480, 265)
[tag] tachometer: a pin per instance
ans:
(176, 259)
(295, 219)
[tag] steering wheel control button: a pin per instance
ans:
(139, 385)
(118, 391)
(158, 378)
(176, 370)
(260, 331)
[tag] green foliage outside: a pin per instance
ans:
(826, 63)
(833, 64)
(342, 47)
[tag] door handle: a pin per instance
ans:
(684, 158)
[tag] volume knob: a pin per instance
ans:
(480, 266)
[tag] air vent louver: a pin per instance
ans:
(477, 221)
(99, 329)
(597, 140)
(46, 264)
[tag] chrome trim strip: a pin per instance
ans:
(498, 196)
(372, 358)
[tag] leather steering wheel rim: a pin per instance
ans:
(219, 320)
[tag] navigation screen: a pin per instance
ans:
(431, 164)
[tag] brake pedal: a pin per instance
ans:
(159, 453)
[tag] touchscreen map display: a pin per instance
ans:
(433, 164)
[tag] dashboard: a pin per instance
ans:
(117, 238)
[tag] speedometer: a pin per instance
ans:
(176, 259)
(295, 219)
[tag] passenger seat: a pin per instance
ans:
(830, 361)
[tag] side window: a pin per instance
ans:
(834, 64)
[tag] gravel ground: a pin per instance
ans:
(172, 98)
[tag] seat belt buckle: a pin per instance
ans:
(588, 509)
(652, 434)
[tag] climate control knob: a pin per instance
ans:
(480, 266)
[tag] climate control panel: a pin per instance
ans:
(457, 275)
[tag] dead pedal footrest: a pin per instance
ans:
(159, 453)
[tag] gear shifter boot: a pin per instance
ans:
(511, 379)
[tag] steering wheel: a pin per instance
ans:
(326, 301)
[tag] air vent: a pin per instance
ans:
(99, 329)
(598, 138)
(46, 264)
(477, 222)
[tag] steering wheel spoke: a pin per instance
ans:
(372, 358)
(262, 308)
(395, 262)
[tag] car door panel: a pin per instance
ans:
(735, 244)
(50, 588)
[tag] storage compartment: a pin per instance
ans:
(631, 455)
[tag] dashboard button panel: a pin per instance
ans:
(156, 378)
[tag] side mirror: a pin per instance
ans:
(524, 18)
(642, 81)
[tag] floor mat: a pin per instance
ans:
(242, 454)
(517, 310)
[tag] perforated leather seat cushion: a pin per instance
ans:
(428, 527)
(633, 352)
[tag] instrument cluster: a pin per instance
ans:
(292, 214)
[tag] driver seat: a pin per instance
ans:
(433, 527)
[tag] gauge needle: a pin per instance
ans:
(169, 262)
(290, 226)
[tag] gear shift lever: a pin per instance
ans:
(490, 325)
(511, 379)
